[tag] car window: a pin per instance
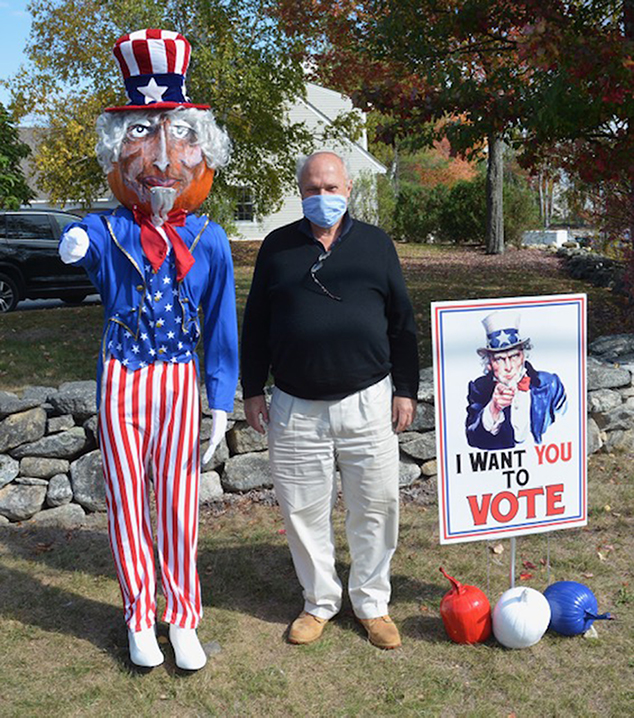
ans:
(64, 219)
(29, 226)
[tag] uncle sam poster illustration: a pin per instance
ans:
(510, 398)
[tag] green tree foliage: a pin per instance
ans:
(241, 65)
(14, 189)
(457, 214)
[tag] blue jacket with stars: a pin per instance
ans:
(115, 263)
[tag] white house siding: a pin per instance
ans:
(316, 111)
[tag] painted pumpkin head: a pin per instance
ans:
(161, 149)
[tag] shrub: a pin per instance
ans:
(416, 214)
(521, 209)
(457, 214)
(462, 217)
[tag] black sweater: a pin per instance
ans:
(317, 347)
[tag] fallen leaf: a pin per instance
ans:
(497, 549)
(588, 575)
(524, 576)
(282, 532)
(528, 564)
(607, 508)
(43, 547)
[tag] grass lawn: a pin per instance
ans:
(64, 646)
(64, 649)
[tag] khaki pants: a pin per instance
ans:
(307, 441)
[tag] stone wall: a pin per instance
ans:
(594, 268)
(51, 472)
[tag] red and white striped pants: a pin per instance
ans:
(149, 422)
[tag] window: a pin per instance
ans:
(244, 211)
(63, 220)
(29, 226)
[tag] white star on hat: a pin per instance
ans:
(153, 92)
(505, 338)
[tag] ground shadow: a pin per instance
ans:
(254, 578)
(28, 600)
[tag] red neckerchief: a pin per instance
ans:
(524, 384)
(153, 242)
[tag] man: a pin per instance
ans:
(512, 402)
(155, 263)
(328, 314)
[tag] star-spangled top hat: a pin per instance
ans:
(503, 333)
(154, 65)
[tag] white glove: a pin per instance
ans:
(218, 428)
(74, 245)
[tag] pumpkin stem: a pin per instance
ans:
(601, 616)
(456, 584)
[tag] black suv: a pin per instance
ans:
(30, 267)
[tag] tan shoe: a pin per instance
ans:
(306, 628)
(382, 632)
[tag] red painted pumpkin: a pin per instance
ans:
(158, 156)
(466, 612)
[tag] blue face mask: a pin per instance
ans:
(324, 210)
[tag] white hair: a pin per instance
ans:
(113, 126)
(303, 160)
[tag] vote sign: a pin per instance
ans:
(510, 397)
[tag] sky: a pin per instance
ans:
(15, 23)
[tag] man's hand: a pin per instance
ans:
(257, 412)
(502, 397)
(403, 412)
(218, 428)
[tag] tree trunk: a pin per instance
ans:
(395, 171)
(494, 185)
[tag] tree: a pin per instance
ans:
(421, 61)
(526, 72)
(241, 65)
(14, 189)
(581, 108)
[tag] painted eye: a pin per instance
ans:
(182, 132)
(137, 131)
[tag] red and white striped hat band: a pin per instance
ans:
(154, 65)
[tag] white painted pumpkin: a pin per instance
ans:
(520, 617)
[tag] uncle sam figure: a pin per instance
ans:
(156, 264)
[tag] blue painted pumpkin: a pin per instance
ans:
(573, 608)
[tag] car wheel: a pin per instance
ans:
(73, 297)
(9, 296)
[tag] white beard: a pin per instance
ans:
(162, 200)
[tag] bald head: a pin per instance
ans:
(323, 173)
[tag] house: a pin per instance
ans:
(317, 110)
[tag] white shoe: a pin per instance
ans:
(144, 648)
(189, 654)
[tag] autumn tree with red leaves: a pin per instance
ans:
(423, 61)
(533, 72)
